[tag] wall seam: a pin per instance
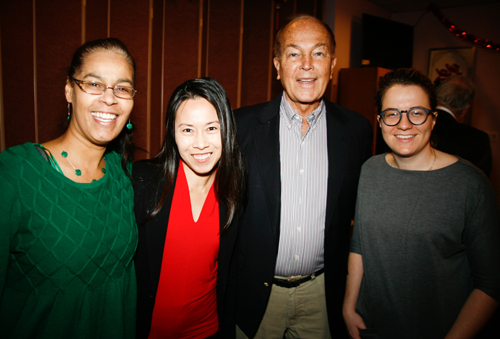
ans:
(2, 111)
(240, 52)
(84, 19)
(109, 19)
(200, 38)
(208, 38)
(270, 64)
(162, 99)
(148, 95)
(35, 93)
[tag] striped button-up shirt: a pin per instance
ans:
(304, 176)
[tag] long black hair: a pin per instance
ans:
(230, 179)
(123, 143)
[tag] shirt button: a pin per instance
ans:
(301, 171)
(299, 229)
(296, 257)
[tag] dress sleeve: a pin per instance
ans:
(482, 239)
(9, 212)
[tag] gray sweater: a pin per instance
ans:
(428, 238)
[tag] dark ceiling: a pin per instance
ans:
(401, 6)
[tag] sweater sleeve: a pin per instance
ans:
(355, 240)
(364, 182)
(482, 239)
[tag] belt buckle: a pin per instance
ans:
(293, 279)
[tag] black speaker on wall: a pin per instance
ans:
(387, 43)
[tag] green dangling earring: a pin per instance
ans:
(69, 111)
(129, 125)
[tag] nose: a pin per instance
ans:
(404, 123)
(307, 63)
(109, 97)
(200, 141)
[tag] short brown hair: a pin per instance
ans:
(405, 77)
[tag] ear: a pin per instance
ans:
(435, 115)
(68, 91)
(378, 121)
(332, 66)
(276, 62)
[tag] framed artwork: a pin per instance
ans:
(445, 62)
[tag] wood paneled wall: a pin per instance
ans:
(171, 41)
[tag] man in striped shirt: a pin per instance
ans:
(303, 155)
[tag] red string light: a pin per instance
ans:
(488, 44)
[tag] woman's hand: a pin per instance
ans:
(475, 313)
(352, 319)
(354, 323)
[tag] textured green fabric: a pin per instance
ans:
(66, 268)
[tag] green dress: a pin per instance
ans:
(66, 248)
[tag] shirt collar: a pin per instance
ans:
(291, 115)
(442, 108)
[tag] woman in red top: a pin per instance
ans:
(186, 199)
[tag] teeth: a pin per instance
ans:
(201, 156)
(404, 136)
(307, 80)
(104, 116)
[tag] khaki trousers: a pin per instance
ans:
(297, 312)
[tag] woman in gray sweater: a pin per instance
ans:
(425, 252)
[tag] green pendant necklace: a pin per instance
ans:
(77, 171)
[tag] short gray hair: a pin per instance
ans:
(456, 93)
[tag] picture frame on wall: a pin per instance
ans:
(445, 62)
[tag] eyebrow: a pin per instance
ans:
(397, 109)
(298, 47)
(91, 75)
(208, 123)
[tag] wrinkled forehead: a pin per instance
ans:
(305, 32)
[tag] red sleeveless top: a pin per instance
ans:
(186, 300)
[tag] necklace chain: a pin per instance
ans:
(432, 165)
(433, 151)
(78, 172)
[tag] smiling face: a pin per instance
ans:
(305, 65)
(198, 137)
(405, 139)
(100, 118)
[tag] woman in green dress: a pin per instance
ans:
(67, 228)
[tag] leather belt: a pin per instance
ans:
(294, 282)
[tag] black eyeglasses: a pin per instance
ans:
(416, 115)
(98, 88)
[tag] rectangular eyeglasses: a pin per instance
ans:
(98, 88)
